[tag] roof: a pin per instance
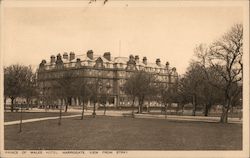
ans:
(119, 60)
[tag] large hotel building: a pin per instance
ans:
(112, 71)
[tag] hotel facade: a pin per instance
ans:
(111, 71)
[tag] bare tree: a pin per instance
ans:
(83, 92)
(131, 90)
(95, 92)
(140, 85)
(30, 86)
(65, 85)
(18, 82)
(191, 84)
(224, 57)
(166, 97)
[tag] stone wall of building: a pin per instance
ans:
(112, 72)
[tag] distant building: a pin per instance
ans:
(113, 72)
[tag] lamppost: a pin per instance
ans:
(21, 118)
(108, 87)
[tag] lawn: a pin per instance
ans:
(13, 116)
(123, 133)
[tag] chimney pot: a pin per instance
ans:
(174, 69)
(144, 60)
(107, 56)
(136, 58)
(52, 59)
(158, 62)
(59, 59)
(71, 56)
(65, 55)
(131, 57)
(58, 56)
(90, 54)
(42, 64)
(167, 64)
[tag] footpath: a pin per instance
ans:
(128, 114)
(188, 118)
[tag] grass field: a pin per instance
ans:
(123, 133)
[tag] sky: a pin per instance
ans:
(169, 32)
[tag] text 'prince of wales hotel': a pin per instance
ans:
(111, 72)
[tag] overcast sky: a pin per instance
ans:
(170, 33)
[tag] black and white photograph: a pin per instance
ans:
(107, 78)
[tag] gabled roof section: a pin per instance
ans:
(99, 59)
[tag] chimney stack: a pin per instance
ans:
(137, 59)
(144, 60)
(58, 57)
(71, 56)
(90, 54)
(65, 56)
(78, 62)
(167, 65)
(158, 62)
(174, 69)
(131, 57)
(52, 59)
(107, 56)
(42, 64)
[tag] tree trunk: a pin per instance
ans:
(66, 104)
(12, 104)
(182, 109)
(148, 106)
(104, 108)
(141, 105)
(177, 109)
(21, 119)
(224, 115)
(170, 108)
(207, 108)
(133, 109)
(66, 108)
(60, 115)
(93, 114)
(27, 101)
(166, 111)
(225, 109)
(232, 110)
(141, 108)
(82, 110)
(194, 105)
